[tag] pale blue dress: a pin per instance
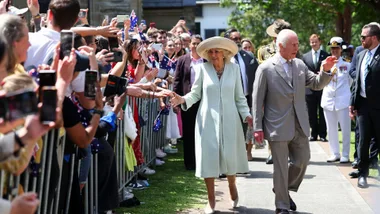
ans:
(219, 137)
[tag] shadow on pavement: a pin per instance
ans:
(269, 175)
(246, 210)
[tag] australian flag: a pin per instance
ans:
(152, 61)
(134, 20)
(168, 64)
(142, 36)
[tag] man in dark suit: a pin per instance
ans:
(313, 60)
(373, 146)
(248, 65)
(365, 102)
(183, 80)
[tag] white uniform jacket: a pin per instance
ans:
(336, 95)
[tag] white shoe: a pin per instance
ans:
(159, 162)
(344, 160)
(160, 153)
(234, 202)
(208, 209)
(333, 158)
(148, 171)
(173, 141)
(170, 150)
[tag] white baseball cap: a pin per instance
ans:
(15, 11)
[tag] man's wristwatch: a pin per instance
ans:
(97, 111)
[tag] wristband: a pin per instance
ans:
(38, 16)
(97, 111)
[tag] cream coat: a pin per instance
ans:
(219, 137)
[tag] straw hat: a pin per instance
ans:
(217, 42)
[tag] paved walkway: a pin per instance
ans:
(325, 190)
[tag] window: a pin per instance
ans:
(197, 28)
(199, 11)
(210, 33)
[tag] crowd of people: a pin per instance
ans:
(219, 97)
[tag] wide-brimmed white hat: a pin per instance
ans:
(217, 42)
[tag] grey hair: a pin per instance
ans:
(12, 29)
(283, 37)
(226, 54)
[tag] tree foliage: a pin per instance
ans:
(328, 18)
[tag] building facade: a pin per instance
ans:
(166, 13)
(211, 19)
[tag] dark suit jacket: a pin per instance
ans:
(372, 86)
(352, 70)
(251, 65)
(308, 60)
(182, 75)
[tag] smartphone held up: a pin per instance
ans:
(67, 43)
(18, 104)
(91, 79)
(49, 104)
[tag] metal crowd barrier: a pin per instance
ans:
(32, 180)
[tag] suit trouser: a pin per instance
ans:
(188, 129)
(373, 150)
(289, 177)
(332, 118)
(316, 116)
(369, 125)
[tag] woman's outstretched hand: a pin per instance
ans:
(176, 99)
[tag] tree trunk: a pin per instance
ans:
(339, 24)
(347, 27)
(343, 23)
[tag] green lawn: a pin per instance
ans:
(372, 172)
(171, 189)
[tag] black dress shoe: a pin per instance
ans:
(323, 139)
(362, 182)
(269, 160)
(374, 164)
(355, 164)
(222, 176)
(293, 205)
(312, 139)
(282, 211)
(354, 174)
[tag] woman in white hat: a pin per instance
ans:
(219, 138)
(335, 102)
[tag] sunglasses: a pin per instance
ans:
(364, 37)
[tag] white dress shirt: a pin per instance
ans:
(193, 63)
(242, 72)
(42, 47)
(336, 95)
(362, 70)
(285, 64)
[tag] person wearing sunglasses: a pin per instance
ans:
(365, 101)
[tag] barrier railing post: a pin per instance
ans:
(58, 192)
(42, 173)
(67, 208)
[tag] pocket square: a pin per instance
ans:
(252, 61)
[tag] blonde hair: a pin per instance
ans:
(16, 82)
(12, 26)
